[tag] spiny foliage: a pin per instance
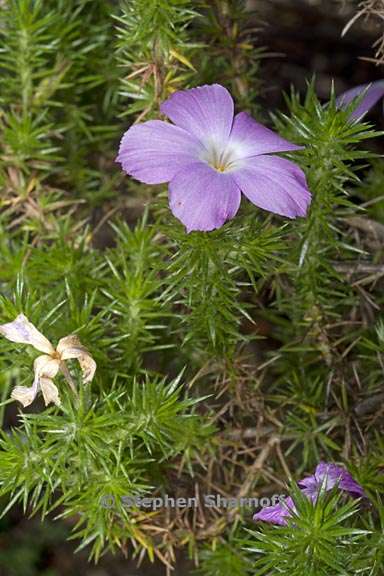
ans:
(208, 274)
(208, 345)
(98, 450)
(316, 540)
(154, 49)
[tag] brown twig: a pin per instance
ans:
(219, 525)
(363, 268)
(375, 229)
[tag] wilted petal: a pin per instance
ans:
(88, 367)
(372, 94)
(46, 366)
(249, 138)
(205, 111)
(25, 394)
(277, 514)
(49, 391)
(69, 348)
(202, 198)
(21, 330)
(154, 151)
(274, 184)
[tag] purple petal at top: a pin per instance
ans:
(251, 138)
(202, 198)
(277, 514)
(373, 93)
(274, 184)
(154, 151)
(338, 475)
(206, 112)
(329, 475)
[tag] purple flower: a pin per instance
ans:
(371, 94)
(209, 156)
(326, 477)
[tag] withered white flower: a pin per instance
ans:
(46, 366)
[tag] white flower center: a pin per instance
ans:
(223, 158)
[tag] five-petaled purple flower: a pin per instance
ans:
(209, 156)
(326, 477)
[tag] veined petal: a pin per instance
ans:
(326, 477)
(153, 152)
(249, 138)
(70, 347)
(205, 111)
(49, 391)
(202, 198)
(373, 93)
(22, 331)
(331, 475)
(277, 514)
(274, 184)
(310, 486)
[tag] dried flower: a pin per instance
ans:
(50, 363)
(209, 156)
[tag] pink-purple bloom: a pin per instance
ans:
(209, 156)
(326, 477)
(371, 94)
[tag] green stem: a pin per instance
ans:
(4, 395)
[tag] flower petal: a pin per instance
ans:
(373, 93)
(326, 477)
(49, 391)
(277, 514)
(202, 198)
(249, 138)
(45, 366)
(71, 347)
(24, 332)
(274, 184)
(154, 151)
(310, 486)
(25, 394)
(331, 475)
(205, 111)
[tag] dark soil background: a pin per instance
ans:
(303, 38)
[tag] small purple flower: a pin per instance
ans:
(326, 477)
(209, 156)
(371, 95)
